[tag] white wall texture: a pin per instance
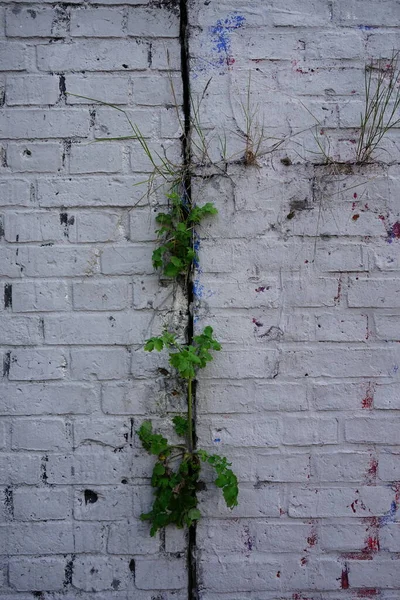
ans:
(299, 275)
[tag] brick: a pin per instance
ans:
(376, 293)
(91, 191)
(160, 574)
(359, 12)
(339, 396)
(127, 260)
(97, 22)
(37, 538)
(242, 364)
(233, 430)
(106, 431)
(340, 466)
(309, 14)
(389, 537)
(12, 56)
(387, 397)
(107, 88)
(46, 434)
(155, 90)
(111, 123)
(37, 573)
(103, 468)
(383, 574)
(97, 573)
(345, 538)
(341, 328)
(31, 89)
(341, 362)
(387, 327)
(311, 292)
(376, 430)
(17, 331)
(340, 258)
(90, 537)
(46, 296)
(254, 502)
(305, 431)
(94, 55)
(35, 504)
(33, 227)
(153, 23)
(39, 364)
(121, 328)
(37, 22)
(244, 396)
(132, 537)
(104, 294)
(20, 468)
(34, 158)
(112, 503)
(102, 363)
(389, 466)
(133, 397)
(36, 123)
(58, 261)
(96, 158)
(48, 398)
(340, 502)
(15, 192)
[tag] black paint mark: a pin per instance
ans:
(1, 228)
(68, 572)
(115, 584)
(8, 295)
(6, 364)
(125, 66)
(43, 469)
(92, 114)
(62, 86)
(32, 13)
(90, 497)
(3, 157)
(9, 501)
(132, 566)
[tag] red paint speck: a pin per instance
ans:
(355, 195)
(355, 217)
(344, 583)
(262, 288)
(372, 470)
(304, 561)
(381, 217)
(278, 574)
(230, 61)
(372, 544)
(312, 539)
(395, 230)
(367, 593)
(368, 399)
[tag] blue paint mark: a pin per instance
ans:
(395, 368)
(198, 289)
(390, 516)
(367, 27)
(220, 37)
(217, 440)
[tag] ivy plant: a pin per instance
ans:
(175, 253)
(177, 468)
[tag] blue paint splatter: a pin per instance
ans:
(217, 440)
(395, 368)
(390, 516)
(367, 27)
(198, 289)
(220, 37)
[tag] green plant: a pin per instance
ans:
(176, 252)
(176, 484)
(382, 101)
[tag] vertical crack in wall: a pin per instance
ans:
(186, 153)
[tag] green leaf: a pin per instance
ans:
(180, 425)
(194, 514)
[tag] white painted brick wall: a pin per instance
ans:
(299, 277)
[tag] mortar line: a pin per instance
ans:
(186, 152)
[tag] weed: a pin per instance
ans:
(382, 101)
(175, 496)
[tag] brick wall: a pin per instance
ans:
(299, 276)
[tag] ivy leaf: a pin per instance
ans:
(180, 425)
(152, 442)
(226, 479)
(194, 514)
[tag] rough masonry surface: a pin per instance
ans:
(299, 276)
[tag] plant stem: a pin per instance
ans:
(190, 416)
